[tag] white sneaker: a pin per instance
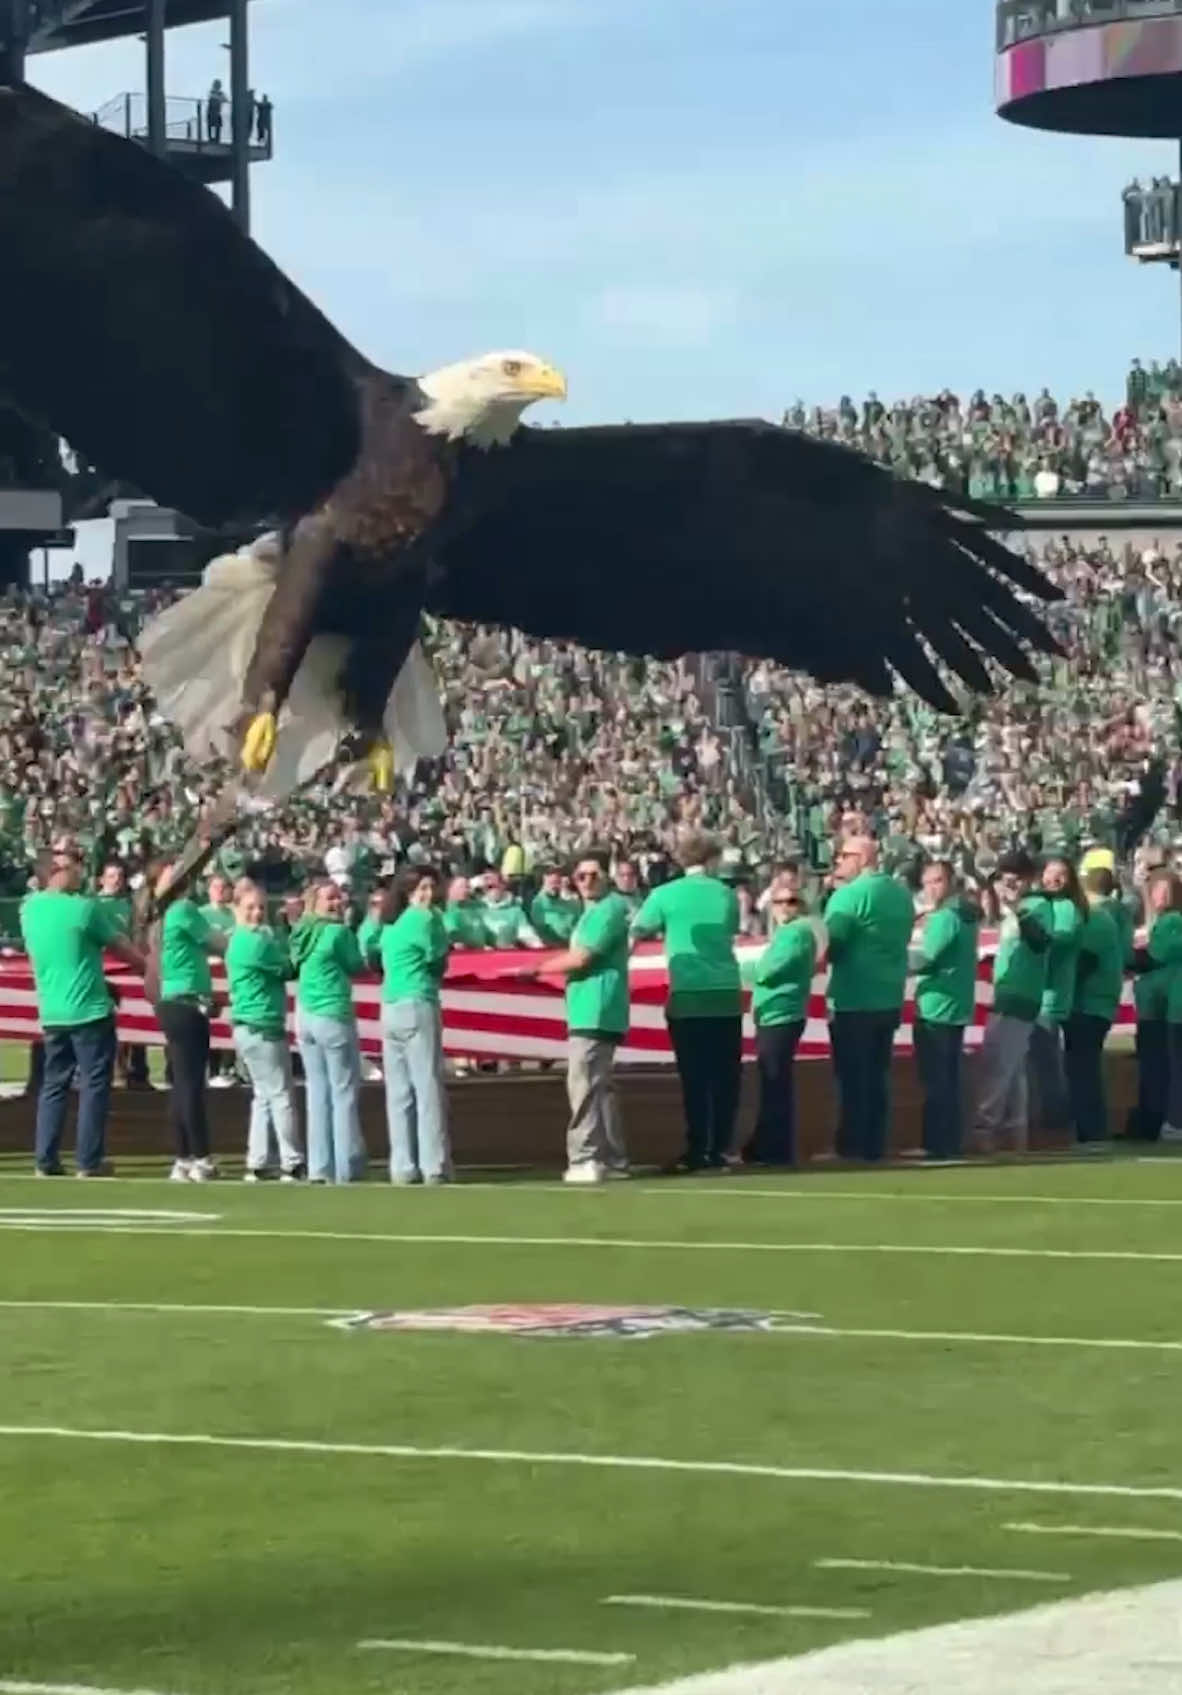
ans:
(1171, 1133)
(203, 1171)
(589, 1172)
(249, 1176)
(182, 1171)
(370, 1073)
(223, 1080)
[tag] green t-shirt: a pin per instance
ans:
(1020, 969)
(869, 920)
(1059, 993)
(783, 975)
(1165, 946)
(219, 918)
(119, 909)
(327, 956)
(414, 955)
(184, 953)
(597, 996)
(1151, 989)
(698, 916)
(504, 922)
(464, 923)
(1097, 990)
(64, 936)
(554, 918)
(946, 975)
(257, 966)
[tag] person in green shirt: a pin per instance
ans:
(218, 913)
(131, 1058)
(463, 916)
(1019, 978)
(327, 956)
(257, 969)
(1162, 895)
(781, 980)
(1099, 977)
(553, 914)
(595, 966)
(869, 918)
(627, 884)
(505, 921)
(945, 967)
(412, 952)
(1050, 1105)
(698, 916)
(65, 934)
(183, 1010)
(1163, 953)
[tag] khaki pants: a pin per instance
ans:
(594, 1134)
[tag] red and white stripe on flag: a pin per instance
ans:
(488, 1012)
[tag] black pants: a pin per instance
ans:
(1046, 1076)
(709, 1053)
(1153, 1080)
(861, 1043)
(1084, 1037)
(938, 1050)
(1174, 1090)
(773, 1141)
(186, 1034)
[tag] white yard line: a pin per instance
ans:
(598, 1462)
(14, 1686)
(1116, 1532)
(943, 1571)
(955, 1250)
(106, 1215)
(681, 1603)
(494, 1651)
(791, 1329)
(816, 1191)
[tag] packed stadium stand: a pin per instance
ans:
(554, 746)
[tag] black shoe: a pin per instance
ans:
(683, 1167)
(49, 1170)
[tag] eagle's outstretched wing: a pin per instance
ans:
(665, 539)
(140, 323)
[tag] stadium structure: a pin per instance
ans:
(37, 497)
(1101, 67)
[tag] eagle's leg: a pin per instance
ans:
(287, 626)
(368, 679)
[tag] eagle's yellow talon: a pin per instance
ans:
(381, 767)
(259, 743)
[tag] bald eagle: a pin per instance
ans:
(140, 323)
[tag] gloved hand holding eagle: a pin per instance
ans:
(141, 324)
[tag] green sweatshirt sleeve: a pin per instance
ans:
(781, 960)
(941, 934)
(650, 920)
(348, 952)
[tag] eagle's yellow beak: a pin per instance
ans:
(543, 382)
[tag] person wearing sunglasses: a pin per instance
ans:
(781, 980)
(595, 966)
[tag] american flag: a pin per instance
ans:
(489, 1013)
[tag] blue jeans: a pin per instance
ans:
(416, 1104)
(332, 1075)
(272, 1100)
(90, 1048)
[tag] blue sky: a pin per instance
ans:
(698, 208)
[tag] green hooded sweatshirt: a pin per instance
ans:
(327, 957)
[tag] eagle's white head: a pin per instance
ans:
(481, 400)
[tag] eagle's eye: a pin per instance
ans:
(511, 367)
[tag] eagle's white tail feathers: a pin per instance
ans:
(195, 658)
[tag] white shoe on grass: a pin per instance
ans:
(203, 1171)
(589, 1172)
(182, 1171)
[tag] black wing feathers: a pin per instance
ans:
(667, 539)
(141, 324)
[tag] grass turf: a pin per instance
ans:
(196, 1569)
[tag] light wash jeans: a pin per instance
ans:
(416, 1102)
(272, 1100)
(332, 1077)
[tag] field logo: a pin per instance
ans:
(567, 1319)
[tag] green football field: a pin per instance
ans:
(206, 1485)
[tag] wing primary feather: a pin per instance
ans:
(907, 656)
(996, 641)
(956, 653)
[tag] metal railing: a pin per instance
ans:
(1026, 20)
(186, 122)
